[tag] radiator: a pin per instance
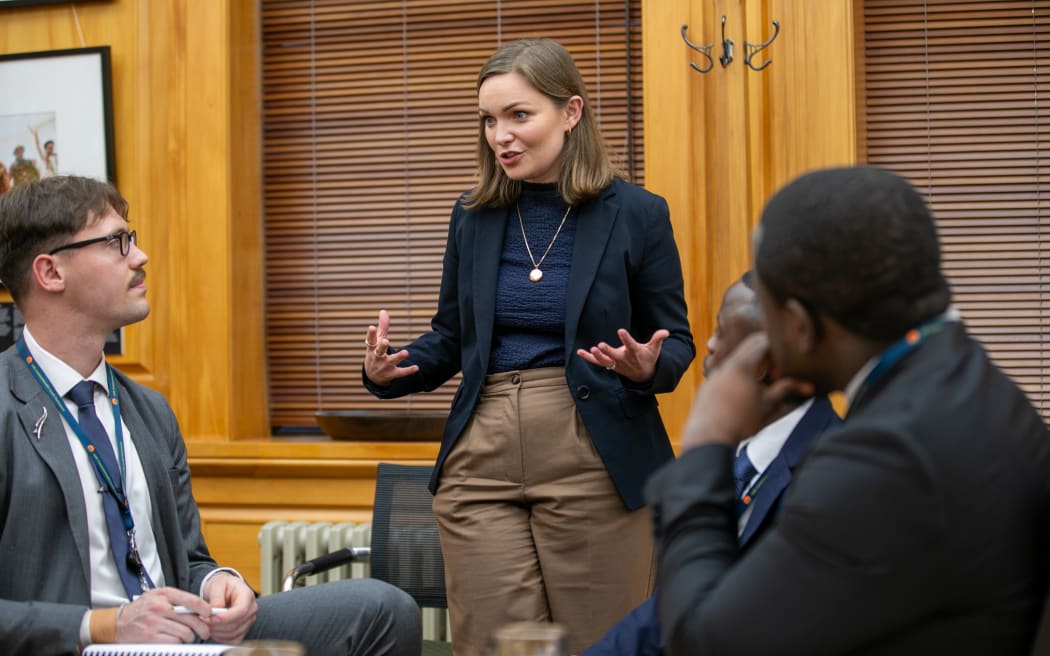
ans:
(283, 545)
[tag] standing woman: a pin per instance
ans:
(562, 304)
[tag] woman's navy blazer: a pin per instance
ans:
(625, 273)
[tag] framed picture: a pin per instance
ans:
(12, 323)
(56, 115)
(29, 3)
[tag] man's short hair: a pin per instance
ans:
(858, 244)
(38, 216)
(747, 279)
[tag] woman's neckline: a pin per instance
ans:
(538, 186)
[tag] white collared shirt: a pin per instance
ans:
(764, 446)
(106, 587)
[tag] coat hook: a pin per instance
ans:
(727, 46)
(752, 49)
(703, 50)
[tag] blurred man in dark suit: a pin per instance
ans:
(920, 526)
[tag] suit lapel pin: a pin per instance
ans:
(40, 424)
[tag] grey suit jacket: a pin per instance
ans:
(45, 584)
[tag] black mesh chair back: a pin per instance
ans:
(406, 549)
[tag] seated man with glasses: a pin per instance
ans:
(98, 527)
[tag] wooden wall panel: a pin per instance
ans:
(812, 101)
(207, 147)
(719, 143)
(673, 137)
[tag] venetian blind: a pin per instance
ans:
(369, 136)
(958, 100)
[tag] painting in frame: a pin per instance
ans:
(55, 115)
(30, 3)
(56, 118)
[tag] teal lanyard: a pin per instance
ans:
(102, 473)
(896, 352)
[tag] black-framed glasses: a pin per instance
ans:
(125, 238)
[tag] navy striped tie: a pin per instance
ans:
(83, 394)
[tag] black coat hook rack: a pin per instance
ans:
(750, 50)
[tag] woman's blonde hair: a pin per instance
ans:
(586, 167)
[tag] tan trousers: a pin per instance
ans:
(531, 525)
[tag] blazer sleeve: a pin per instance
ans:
(198, 557)
(824, 580)
(33, 627)
(658, 298)
(437, 352)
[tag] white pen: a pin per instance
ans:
(182, 610)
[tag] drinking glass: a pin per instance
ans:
(531, 639)
(267, 648)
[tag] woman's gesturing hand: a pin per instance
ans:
(381, 366)
(635, 360)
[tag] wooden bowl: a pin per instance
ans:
(382, 425)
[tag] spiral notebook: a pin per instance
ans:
(155, 650)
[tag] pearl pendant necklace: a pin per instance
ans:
(536, 275)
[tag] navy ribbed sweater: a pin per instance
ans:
(529, 330)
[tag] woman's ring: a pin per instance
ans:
(370, 344)
(612, 367)
(378, 352)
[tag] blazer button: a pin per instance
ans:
(583, 392)
(515, 379)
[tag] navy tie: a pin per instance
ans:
(83, 394)
(743, 471)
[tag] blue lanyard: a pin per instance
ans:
(896, 352)
(102, 473)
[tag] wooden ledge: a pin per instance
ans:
(302, 457)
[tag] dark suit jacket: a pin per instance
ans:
(638, 634)
(44, 577)
(625, 273)
(819, 418)
(918, 527)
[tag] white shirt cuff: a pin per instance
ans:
(85, 629)
(204, 583)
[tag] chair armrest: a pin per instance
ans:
(324, 563)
